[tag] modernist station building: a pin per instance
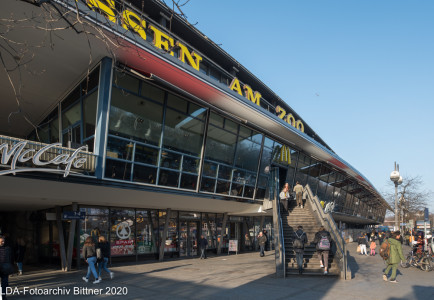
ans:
(122, 119)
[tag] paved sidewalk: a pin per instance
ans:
(242, 276)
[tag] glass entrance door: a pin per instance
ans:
(188, 238)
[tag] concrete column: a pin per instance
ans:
(222, 232)
(164, 235)
(71, 239)
(61, 238)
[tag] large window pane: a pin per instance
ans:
(152, 92)
(117, 170)
(144, 174)
(220, 145)
(71, 116)
(135, 117)
(248, 150)
(89, 114)
(183, 132)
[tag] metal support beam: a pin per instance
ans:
(103, 108)
(61, 238)
(71, 239)
(164, 235)
(222, 232)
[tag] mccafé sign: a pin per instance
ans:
(130, 20)
(22, 153)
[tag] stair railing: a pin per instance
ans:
(279, 241)
(329, 224)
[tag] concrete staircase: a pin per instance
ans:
(306, 218)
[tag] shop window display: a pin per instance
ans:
(122, 232)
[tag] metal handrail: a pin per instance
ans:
(278, 227)
(282, 240)
(329, 223)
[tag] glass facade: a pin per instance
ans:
(158, 138)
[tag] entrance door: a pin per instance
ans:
(188, 238)
(282, 177)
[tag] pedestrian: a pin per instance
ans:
(395, 256)
(381, 237)
(373, 246)
(284, 196)
(89, 254)
(298, 189)
(6, 267)
(267, 243)
(300, 240)
(362, 243)
(262, 239)
(203, 243)
(19, 250)
(323, 244)
(104, 247)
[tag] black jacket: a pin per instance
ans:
(105, 249)
(203, 243)
(300, 233)
(19, 253)
(6, 255)
(362, 241)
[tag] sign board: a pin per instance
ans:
(50, 216)
(421, 225)
(73, 215)
(39, 156)
(233, 246)
(426, 215)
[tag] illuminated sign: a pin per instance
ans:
(130, 20)
(47, 155)
(282, 154)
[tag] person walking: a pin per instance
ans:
(284, 196)
(89, 254)
(20, 249)
(298, 189)
(6, 267)
(362, 243)
(300, 240)
(203, 243)
(373, 246)
(262, 240)
(395, 256)
(323, 244)
(104, 247)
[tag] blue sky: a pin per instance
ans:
(360, 73)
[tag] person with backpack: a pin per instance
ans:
(323, 244)
(104, 254)
(392, 253)
(299, 240)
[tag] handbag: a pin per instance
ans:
(6, 268)
(358, 249)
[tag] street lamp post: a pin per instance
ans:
(397, 180)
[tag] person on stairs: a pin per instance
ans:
(323, 241)
(298, 189)
(300, 240)
(284, 196)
